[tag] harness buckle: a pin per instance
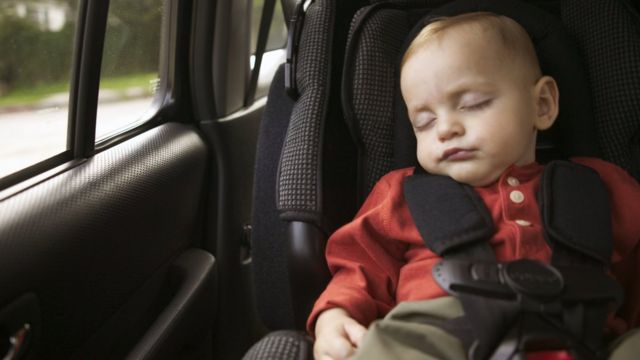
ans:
(533, 278)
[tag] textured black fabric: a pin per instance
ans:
(282, 345)
(369, 88)
(299, 177)
(268, 240)
(608, 32)
(575, 210)
(447, 214)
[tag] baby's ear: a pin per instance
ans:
(546, 98)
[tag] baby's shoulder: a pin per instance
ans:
(610, 173)
(397, 175)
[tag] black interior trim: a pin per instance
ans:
(31, 171)
(201, 58)
(190, 311)
(83, 99)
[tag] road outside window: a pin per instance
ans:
(35, 62)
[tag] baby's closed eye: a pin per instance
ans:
(474, 101)
(423, 120)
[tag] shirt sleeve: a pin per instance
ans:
(364, 261)
(624, 200)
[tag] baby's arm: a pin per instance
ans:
(365, 260)
(337, 335)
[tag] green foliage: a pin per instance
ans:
(133, 37)
(31, 56)
(34, 56)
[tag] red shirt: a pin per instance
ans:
(379, 259)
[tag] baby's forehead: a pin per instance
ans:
(500, 37)
(489, 34)
(472, 33)
(466, 45)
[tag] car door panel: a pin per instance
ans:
(95, 244)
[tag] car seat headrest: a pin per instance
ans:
(574, 132)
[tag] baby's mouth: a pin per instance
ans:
(456, 154)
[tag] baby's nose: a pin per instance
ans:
(448, 127)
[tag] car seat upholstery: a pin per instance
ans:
(304, 171)
(348, 126)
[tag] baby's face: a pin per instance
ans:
(473, 110)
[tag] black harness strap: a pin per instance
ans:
(576, 218)
(575, 213)
(448, 214)
(455, 224)
(508, 306)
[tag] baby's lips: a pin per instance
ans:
(456, 154)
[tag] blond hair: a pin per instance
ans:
(512, 36)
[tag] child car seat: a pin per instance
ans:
(322, 161)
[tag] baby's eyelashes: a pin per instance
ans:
(474, 101)
(423, 119)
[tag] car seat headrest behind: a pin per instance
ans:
(574, 132)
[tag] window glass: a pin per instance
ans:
(130, 75)
(274, 53)
(35, 63)
(277, 32)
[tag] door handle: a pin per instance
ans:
(192, 308)
(19, 324)
(16, 344)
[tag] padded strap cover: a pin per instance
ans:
(447, 214)
(299, 185)
(578, 217)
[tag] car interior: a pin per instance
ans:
(201, 230)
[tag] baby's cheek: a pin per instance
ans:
(431, 166)
(424, 158)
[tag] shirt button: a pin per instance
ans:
(516, 196)
(523, 222)
(513, 181)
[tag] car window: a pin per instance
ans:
(278, 30)
(129, 77)
(37, 44)
(36, 62)
(274, 51)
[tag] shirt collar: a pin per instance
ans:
(523, 173)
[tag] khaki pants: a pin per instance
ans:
(405, 333)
